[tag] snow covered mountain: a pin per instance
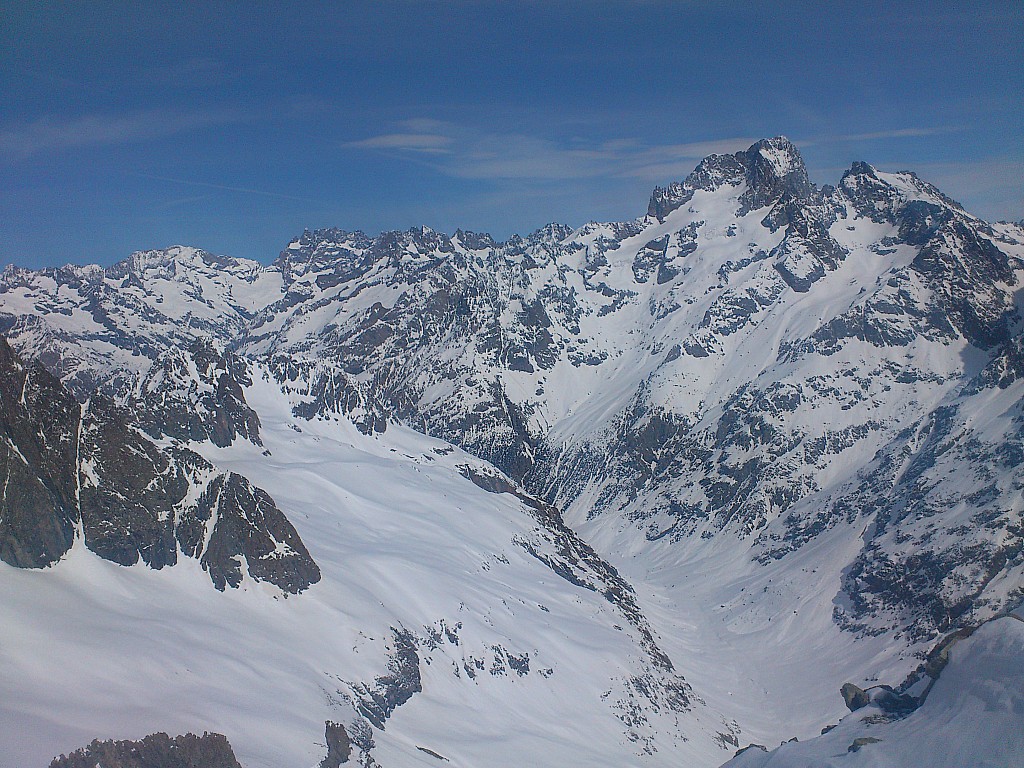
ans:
(761, 441)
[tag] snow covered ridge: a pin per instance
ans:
(779, 424)
(733, 360)
(92, 326)
(453, 614)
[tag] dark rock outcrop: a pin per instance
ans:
(196, 394)
(862, 741)
(376, 702)
(158, 750)
(246, 524)
(129, 491)
(39, 423)
(65, 466)
(339, 746)
(854, 696)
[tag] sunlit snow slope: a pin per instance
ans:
(436, 623)
(763, 440)
(971, 717)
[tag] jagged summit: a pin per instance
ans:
(175, 262)
(774, 167)
(770, 168)
(877, 193)
(168, 262)
(474, 241)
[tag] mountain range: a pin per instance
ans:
(636, 493)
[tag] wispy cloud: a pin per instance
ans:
(181, 201)
(409, 142)
(896, 133)
(465, 152)
(470, 153)
(226, 187)
(57, 134)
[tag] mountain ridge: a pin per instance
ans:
(791, 411)
(950, 281)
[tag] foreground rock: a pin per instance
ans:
(158, 750)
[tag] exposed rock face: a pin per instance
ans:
(245, 522)
(339, 746)
(320, 388)
(130, 489)
(854, 696)
(376, 702)
(195, 394)
(38, 453)
(158, 750)
(771, 169)
(67, 466)
(757, 359)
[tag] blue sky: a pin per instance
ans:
(234, 126)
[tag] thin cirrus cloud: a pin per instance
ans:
(407, 142)
(225, 188)
(52, 134)
(469, 153)
(898, 133)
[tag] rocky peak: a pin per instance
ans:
(319, 249)
(73, 275)
(869, 195)
(550, 234)
(335, 256)
(422, 240)
(770, 168)
(474, 241)
(885, 196)
(664, 200)
(711, 173)
(171, 263)
(774, 167)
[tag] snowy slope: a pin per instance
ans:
(415, 559)
(971, 717)
(788, 417)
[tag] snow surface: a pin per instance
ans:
(972, 717)
(91, 649)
